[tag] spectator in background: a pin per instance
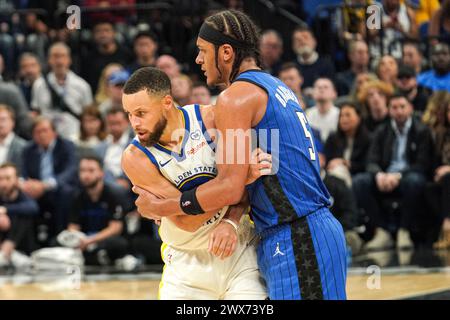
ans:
(201, 94)
(110, 151)
(145, 46)
(169, 65)
(434, 115)
(102, 94)
(64, 94)
(441, 178)
(310, 64)
(17, 212)
(49, 173)
(116, 81)
(354, 19)
(387, 69)
(412, 56)
(343, 206)
(271, 49)
(11, 95)
(324, 116)
(97, 210)
(182, 89)
(398, 22)
(439, 28)
(105, 50)
(291, 76)
(346, 150)
(425, 10)
(92, 130)
(358, 54)
(30, 76)
(11, 145)
(398, 162)
(439, 77)
(374, 96)
(406, 83)
(360, 80)
(113, 16)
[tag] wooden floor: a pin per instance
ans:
(395, 286)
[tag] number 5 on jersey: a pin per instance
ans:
(308, 135)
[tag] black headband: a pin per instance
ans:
(210, 34)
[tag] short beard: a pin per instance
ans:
(93, 184)
(155, 136)
(6, 194)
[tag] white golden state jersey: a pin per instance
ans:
(193, 166)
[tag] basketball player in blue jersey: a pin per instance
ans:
(302, 250)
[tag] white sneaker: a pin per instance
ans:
(404, 239)
(127, 263)
(70, 239)
(381, 240)
(20, 260)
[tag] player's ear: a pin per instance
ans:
(167, 101)
(228, 53)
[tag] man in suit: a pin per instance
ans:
(110, 150)
(17, 212)
(11, 145)
(50, 173)
(398, 162)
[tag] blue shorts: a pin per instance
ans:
(305, 259)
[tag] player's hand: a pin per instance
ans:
(223, 240)
(260, 165)
(145, 203)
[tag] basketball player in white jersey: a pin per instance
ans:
(172, 153)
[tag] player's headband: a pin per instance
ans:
(210, 34)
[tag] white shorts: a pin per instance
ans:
(199, 275)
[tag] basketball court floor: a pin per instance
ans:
(422, 274)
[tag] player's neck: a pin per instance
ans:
(175, 129)
(247, 64)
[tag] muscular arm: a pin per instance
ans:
(145, 175)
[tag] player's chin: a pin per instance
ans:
(211, 81)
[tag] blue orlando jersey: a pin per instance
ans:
(296, 189)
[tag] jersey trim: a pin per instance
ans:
(146, 152)
(200, 175)
(181, 155)
(198, 114)
(253, 82)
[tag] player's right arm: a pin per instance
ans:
(144, 174)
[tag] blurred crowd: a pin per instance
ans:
(380, 114)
